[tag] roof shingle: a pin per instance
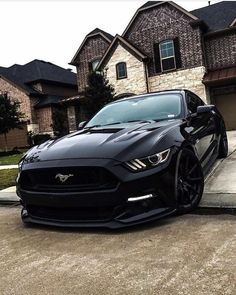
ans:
(217, 16)
(24, 75)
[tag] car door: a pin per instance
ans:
(203, 128)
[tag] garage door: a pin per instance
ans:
(226, 104)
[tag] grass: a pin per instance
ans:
(8, 178)
(11, 160)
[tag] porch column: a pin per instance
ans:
(71, 118)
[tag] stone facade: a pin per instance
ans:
(135, 81)
(190, 79)
(221, 50)
(20, 96)
(71, 118)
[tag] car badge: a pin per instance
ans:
(63, 178)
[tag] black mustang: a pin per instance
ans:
(138, 159)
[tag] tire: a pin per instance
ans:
(223, 145)
(189, 182)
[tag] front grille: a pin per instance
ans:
(79, 179)
(73, 214)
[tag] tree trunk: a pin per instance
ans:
(5, 137)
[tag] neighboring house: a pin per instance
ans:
(163, 47)
(39, 86)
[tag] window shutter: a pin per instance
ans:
(90, 67)
(177, 53)
(157, 59)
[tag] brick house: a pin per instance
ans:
(164, 46)
(39, 86)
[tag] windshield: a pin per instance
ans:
(154, 107)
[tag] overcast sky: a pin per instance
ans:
(53, 30)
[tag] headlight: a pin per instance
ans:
(20, 165)
(152, 161)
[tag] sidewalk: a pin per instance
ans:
(8, 167)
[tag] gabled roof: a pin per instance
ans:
(128, 46)
(97, 31)
(37, 70)
(151, 4)
(217, 16)
(108, 37)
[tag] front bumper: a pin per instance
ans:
(108, 208)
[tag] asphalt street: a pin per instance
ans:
(191, 254)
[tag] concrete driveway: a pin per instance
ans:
(220, 187)
(185, 255)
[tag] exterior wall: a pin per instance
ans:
(71, 118)
(135, 81)
(15, 138)
(190, 79)
(166, 22)
(24, 99)
(44, 118)
(221, 50)
(94, 48)
(60, 90)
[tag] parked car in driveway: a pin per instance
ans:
(138, 159)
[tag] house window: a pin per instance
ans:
(121, 70)
(167, 55)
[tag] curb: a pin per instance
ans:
(218, 200)
(9, 198)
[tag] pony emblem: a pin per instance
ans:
(63, 178)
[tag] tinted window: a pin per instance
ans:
(193, 102)
(152, 107)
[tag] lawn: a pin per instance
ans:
(13, 159)
(10, 160)
(8, 177)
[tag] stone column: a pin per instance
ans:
(71, 118)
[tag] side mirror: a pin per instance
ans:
(204, 109)
(82, 124)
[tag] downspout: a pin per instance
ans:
(146, 76)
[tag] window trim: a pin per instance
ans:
(117, 72)
(163, 58)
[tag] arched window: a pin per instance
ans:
(121, 70)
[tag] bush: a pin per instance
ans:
(10, 153)
(37, 139)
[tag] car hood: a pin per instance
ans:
(119, 142)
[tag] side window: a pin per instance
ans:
(121, 70)
(167, 55)
(193, 102)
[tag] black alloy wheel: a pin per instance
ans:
(189, 181)
(223, 145)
